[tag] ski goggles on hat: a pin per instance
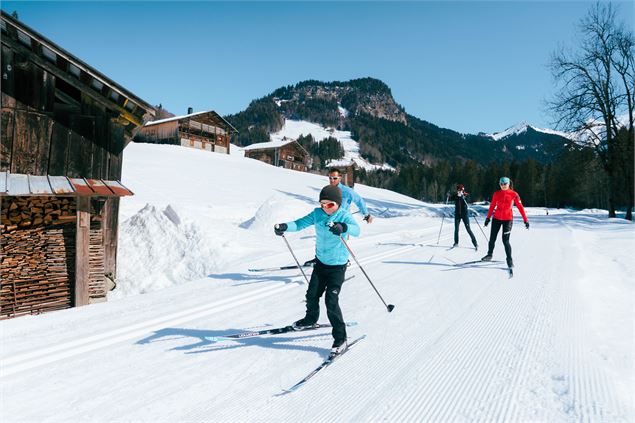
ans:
(328, 204)
(503, 181)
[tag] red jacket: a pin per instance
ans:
(502, 201)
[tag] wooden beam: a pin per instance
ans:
(82, 252)
(85, 88)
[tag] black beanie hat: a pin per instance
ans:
(331, 193)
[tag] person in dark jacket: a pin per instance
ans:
(331, 258)
(501, 208)
(461, 212)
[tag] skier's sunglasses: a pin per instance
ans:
(328, 205)
(503, 183)
(334, 178)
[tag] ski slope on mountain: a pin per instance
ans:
(553, 344)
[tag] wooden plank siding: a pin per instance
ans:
(33, 143)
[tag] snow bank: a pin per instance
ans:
(277, 208)
(161, 248)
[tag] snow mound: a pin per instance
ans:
(162, 248)
(275, 209)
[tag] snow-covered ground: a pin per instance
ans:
(552, 344)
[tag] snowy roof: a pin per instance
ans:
(19, 184)
(216, 117)
(270, 144)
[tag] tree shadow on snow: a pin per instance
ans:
(205, 342)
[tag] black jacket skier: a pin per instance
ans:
(461, 212)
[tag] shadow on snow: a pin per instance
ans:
(204, 341)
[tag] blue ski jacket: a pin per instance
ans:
(350, 196)
(328, 247)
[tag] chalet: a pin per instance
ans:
(202, 130)
(64, 127)
(287, 153)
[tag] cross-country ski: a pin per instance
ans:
(330, 360)
(274, 331)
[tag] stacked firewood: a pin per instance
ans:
(32, 212)
(37, 269)
(96, 263)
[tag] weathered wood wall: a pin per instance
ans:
(293, 156)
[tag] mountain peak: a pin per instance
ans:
(521, 128)
(517, 129)
(364, 95)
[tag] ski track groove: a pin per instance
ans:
(416, 343)
(583, 399)
(338, 371)
(20, 362)
(465, 335)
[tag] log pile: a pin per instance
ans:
(96, 263)
(33, 212)
(37, 266)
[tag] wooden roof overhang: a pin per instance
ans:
(19, 184)
(44, 53)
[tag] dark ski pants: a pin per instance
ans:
(466, 221)
(330, 279)
(507, 230)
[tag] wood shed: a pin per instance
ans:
(287, 153)
(64, 127)
(201, 130)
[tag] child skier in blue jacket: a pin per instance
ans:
(331, 254)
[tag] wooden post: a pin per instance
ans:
(81, 248)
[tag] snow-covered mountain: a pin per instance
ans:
(522, 128)
(386, 133)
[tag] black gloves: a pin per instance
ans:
(487, 221)
(279, 228)
(310, 262)
(368, 218)
(527, 225)
(338, 228)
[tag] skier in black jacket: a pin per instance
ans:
(461, 212)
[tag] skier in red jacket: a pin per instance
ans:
(502, 202)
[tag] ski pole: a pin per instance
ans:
(294, 258)
(389, 307)
(479, 226)
(442, 219)
(272, 269)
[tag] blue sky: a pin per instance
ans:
(470, 66)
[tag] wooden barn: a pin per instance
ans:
(63, 131)
(202, 130)
(287, 153)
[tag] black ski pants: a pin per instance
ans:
(330, 279)
(507, 230)
(466, 221)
